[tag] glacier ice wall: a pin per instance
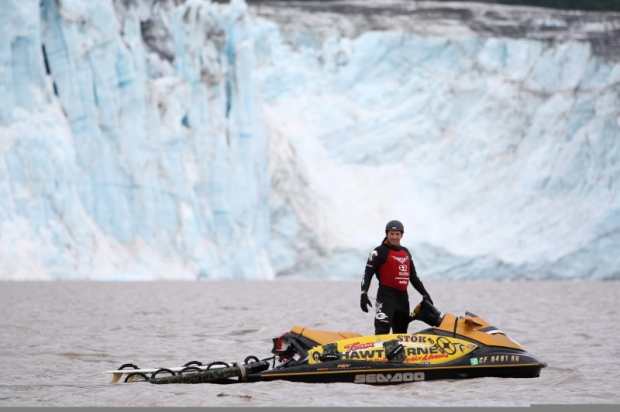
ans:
(492, 132)
(190, 139)
(108, 172)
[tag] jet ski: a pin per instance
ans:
(451, 348)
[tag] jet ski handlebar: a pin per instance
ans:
(427, 313)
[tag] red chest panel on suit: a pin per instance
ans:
(395, 271)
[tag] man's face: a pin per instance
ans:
(394, 237)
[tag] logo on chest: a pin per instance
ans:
(401, 260)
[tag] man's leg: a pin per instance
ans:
(383, 318)
(400, 322)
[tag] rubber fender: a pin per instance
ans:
(214, 375)
(134, 377)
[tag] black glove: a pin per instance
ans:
(428, 298)
(365, 302)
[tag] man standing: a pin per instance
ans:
(393, 265)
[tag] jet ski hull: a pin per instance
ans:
(452, 348)
(481, 362)
(381, 375)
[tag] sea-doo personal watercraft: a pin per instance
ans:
(452, 348)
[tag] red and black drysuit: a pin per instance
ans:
(394, 268)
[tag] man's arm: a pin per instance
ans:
(416, 282)
(375, 259)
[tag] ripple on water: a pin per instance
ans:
(64, 369)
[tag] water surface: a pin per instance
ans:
(57, 337)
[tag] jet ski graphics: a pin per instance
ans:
(452, 348)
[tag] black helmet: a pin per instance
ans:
(394, 225)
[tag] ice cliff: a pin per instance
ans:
(190, 139)
(111, 171)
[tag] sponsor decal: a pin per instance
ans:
(473, 361)
(426, 359)
(372, 255)
(445, 345)
(357, 346)
(418, 349)
(422, 350)
(402, 268)
(373, 354)
(379, 310)
(414, 355)
(411, 338)
(390, 377)
(401, 259)
(344, 365)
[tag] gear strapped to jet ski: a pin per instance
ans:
(452, 348)
(393, 265)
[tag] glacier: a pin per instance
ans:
(145, 140)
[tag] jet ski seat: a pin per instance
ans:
(323, 337)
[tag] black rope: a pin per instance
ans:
(273, 358)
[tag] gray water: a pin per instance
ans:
(56, 339)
